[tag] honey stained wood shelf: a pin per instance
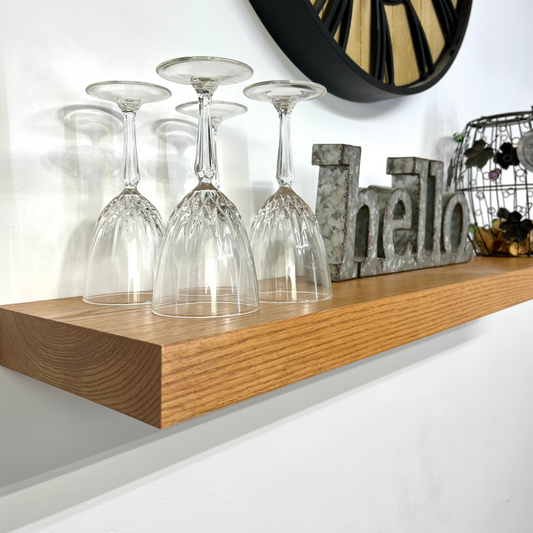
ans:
(164, 371)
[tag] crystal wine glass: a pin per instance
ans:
(220, 111)
(286, 241)
(205, 268)
(123, 254)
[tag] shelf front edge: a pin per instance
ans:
(117, 372)
(202, 375)
(164, 382)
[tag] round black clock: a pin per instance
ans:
(368, 50)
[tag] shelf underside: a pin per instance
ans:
(164, 371)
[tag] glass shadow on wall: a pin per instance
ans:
(87, 165)
(173, 168)
(234, 168)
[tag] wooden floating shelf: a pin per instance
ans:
(164, 371)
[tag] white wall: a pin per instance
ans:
(433, 437)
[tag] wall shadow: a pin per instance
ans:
(7, 194)
(234, 168)
(84, 164)
(173, 168)
(78, 450)
(260, 193)
(87, 155)
(360, 111)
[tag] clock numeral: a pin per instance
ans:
(338, 14)
(420, 42)
(345, 29)
(320, 5)
(448, 19)
(381, 43)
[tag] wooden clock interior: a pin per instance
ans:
(358, 47)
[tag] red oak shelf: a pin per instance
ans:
(164, 371)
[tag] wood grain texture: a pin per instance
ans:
(164, 371)
(359, 40)
(403, 50)
(108, 369)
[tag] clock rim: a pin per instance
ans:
(324, 61)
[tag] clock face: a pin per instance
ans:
(368, 50)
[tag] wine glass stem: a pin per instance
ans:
(205, 167)
(130, 164)
(216, 178)
(285, 172)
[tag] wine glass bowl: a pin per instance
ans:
(122, 258)
(288, 251)
(286, 241)
(205, 268)
(126, 239)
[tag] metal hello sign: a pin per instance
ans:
(380, 230)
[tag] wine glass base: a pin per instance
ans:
(286, 93)
(123, 298)
(220, 110)
(217, 70)
(132, 91)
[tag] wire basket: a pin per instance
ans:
(490, 166)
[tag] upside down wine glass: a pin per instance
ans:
(123, 254)
(205, 268)
(286, 241)
(220, 111)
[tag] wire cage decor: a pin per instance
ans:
(490, 165)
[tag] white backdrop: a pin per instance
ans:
(435, 436)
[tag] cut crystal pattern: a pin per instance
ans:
(289, 251)
(125, 246)
(205, 260)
